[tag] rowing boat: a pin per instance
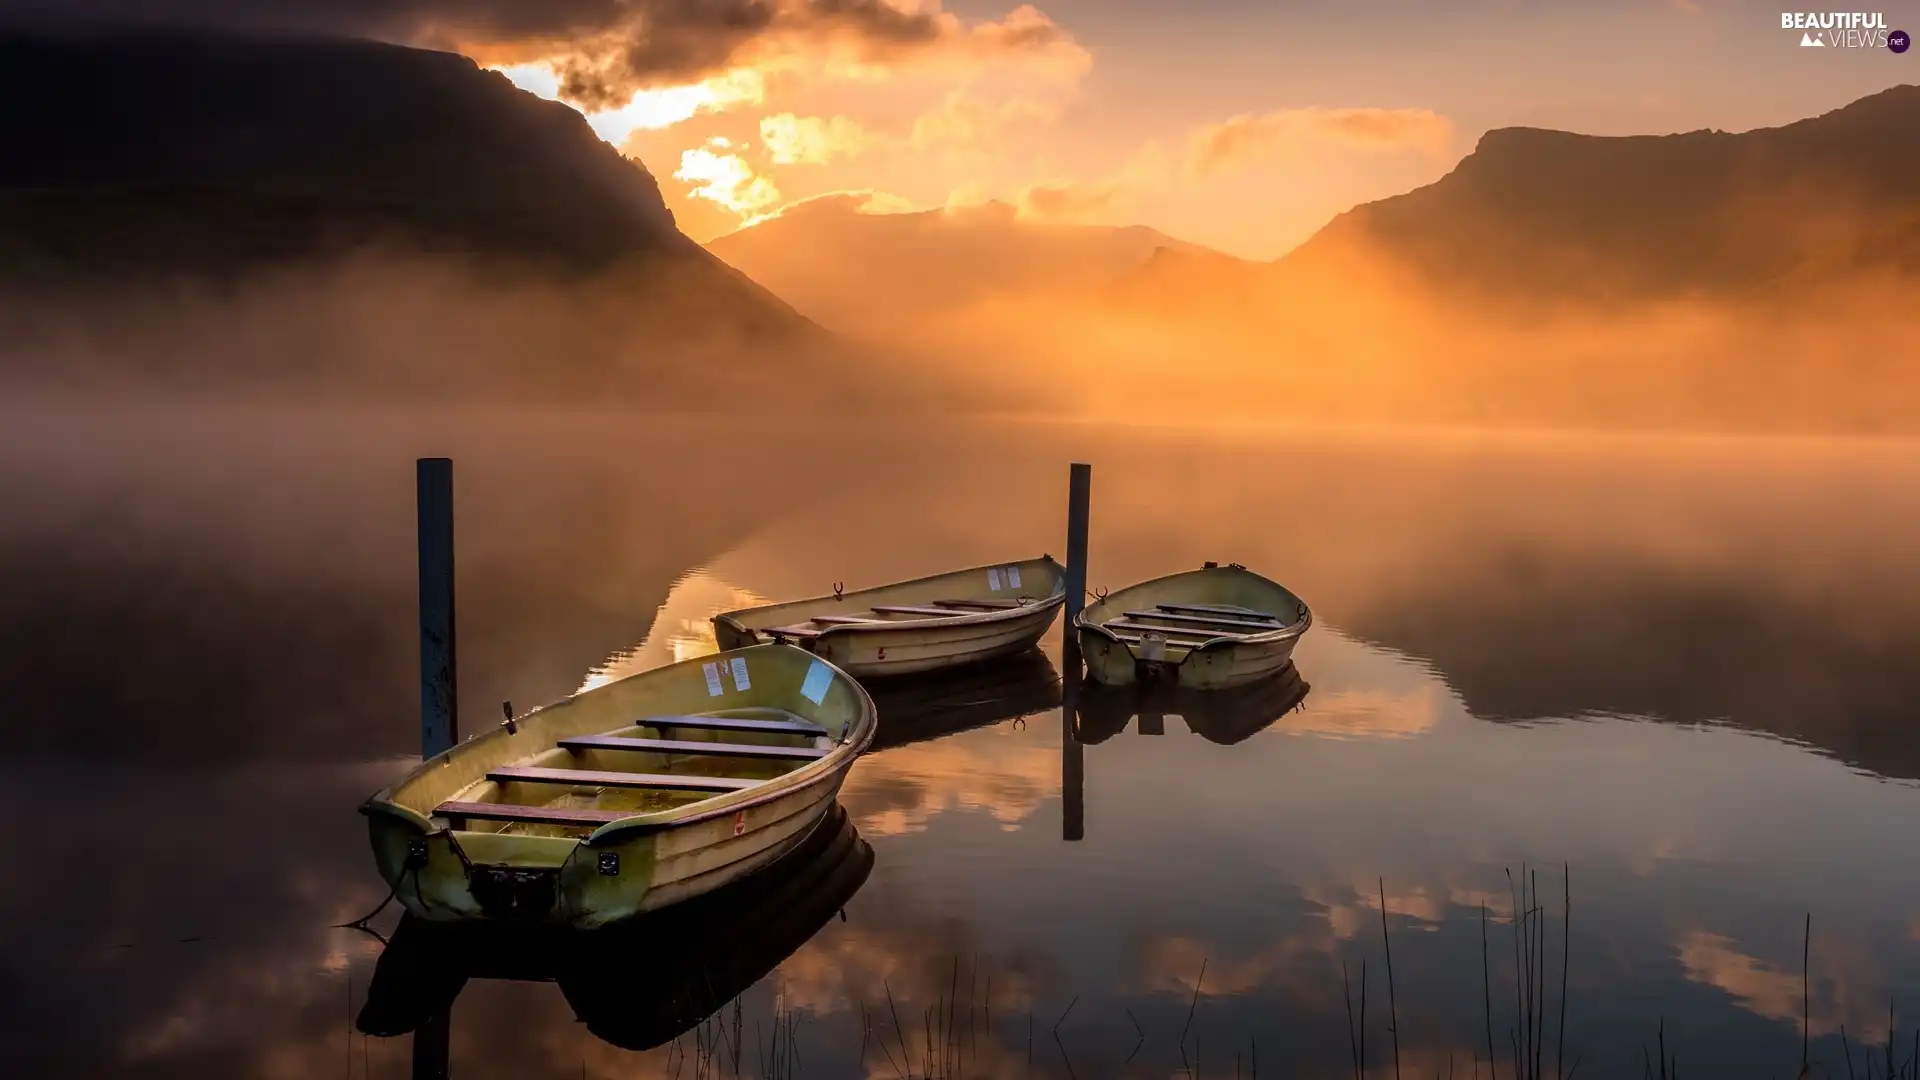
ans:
(946, 620)
(1225, 717)
(627, 797)
(1205, 629)
(640, 984)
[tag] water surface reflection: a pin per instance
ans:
(1679, 667)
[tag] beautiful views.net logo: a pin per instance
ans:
(1844, 30)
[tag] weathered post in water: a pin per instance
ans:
(1073, 762)
(1079, 495)
(439, 704)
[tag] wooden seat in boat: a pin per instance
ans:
(845, 620)
(1226, 610)
(1204, 620)
(984, 605)
(1171, 632)
(532, 815)
(710, 749)
(735, 723)
(606, 778)
(907, 609)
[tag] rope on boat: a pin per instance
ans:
(409, 867)
(361, 922)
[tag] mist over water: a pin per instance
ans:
(1678, 664)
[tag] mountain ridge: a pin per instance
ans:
(444, 228)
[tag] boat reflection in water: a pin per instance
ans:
(1093, 713)
(637, 984)
(947, 703)
(1218, 716)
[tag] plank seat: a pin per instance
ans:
(1219, 609)
(792, 631)
(605, 778)
(710, 749)
(987, 605)
(902, 609)
(1171, 632)
(536, 815)
(1135, 639)
(734, 723)
(845, 620)
(1204, 620)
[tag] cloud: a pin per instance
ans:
(1069, 200)
(1248, 136)
(605, 50)
(815, 140)
(965, 122)
(863, 201)
(726, 178)
(649, 110)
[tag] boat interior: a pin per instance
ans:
(979, 591)
(1185, 611)
(659, 741)
(1188, 626)
(660, 763)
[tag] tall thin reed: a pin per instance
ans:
(1486, 990)
(1353, 1035)
(1566, 953)
(1806, 994)
(1393, 1010)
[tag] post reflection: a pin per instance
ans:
(1091, 714)
(1073, 766)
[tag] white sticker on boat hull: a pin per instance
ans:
(993, 579)
(713, 678)
(819, 677)
(740, 674)
(1013, 577)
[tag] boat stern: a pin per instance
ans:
(450, 875)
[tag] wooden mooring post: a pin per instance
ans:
(1073, 761)
(1079, 496)
(439, 702)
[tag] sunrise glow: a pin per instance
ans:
(647, 110)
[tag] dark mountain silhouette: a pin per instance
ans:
(177, 148)
(1552, 215)
(1549, 212)
(1699, 280)
(165, 194)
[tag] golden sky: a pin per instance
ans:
(1241, 124)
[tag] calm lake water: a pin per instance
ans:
(1678, 673)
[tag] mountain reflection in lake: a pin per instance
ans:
(1678, 667)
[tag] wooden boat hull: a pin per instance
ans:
(445, 869)
(1196, 660)
(908, 646)
(646, 981)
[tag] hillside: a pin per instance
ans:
(190, 187)
(1559, 215)
(1699, 280)
(875, 273)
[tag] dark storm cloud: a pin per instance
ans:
(617, 46)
